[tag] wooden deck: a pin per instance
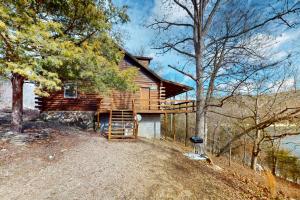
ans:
(118, 118)
(155, 111)
(155, 106)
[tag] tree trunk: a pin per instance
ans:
(255, 150)
(198, 38)
(213, 141)
(17, 103)
(200, 110)
(274, 164)
(244, 152)
(254, 160)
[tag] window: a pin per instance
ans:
(70, 90)
(153, 87)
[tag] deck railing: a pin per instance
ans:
(164, 104)
(148, 105)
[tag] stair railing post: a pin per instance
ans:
(110, 124)
(98, 115)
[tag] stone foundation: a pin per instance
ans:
(82, 119)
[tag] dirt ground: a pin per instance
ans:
(86, 166)
(72, 164)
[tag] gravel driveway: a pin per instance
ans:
(93, 169)
(87, 167)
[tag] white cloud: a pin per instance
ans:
(277, 47)
(172, 11)
(288, 37)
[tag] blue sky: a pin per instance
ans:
(137, 36)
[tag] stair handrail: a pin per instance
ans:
(110, 124)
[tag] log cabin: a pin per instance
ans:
(120, 114)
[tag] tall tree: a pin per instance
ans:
(262, 98)
(210, 35)
(50, 41)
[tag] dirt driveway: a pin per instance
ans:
(88, 167)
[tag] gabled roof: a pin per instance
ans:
(172, 88)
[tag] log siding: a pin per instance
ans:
(91, 102)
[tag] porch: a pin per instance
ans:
(123, 122)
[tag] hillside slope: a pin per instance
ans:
(83, 166)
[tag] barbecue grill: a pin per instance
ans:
(197, 143)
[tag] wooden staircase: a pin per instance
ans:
(123, 124)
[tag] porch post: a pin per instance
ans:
(173, 127)
(165, 125)
(186, 121)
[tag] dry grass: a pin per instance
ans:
(89, 167)
(270, 182)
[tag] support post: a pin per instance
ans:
(110, 124)
(165, 125)
(186, 121)
(98, 120)
(173, 127)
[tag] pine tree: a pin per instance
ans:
(46, 42)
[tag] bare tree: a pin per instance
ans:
(267, 103)
(213, 36)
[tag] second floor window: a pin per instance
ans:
(70, 90)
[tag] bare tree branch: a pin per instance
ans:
(185, 8)
(262, 125)
(273, 137)
(165, 25)
(183, 72)
(168, 46)
(210, 17)
(246, 30)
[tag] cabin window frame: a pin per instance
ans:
(75, 95)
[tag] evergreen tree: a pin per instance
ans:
(48, 41)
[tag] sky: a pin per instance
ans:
(137, 36)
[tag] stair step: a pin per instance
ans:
(121, 124)
(120, 132)
(118, 129)
(125, 119)
(120, 119)
(124, 116)
(122, 137)
(120, 114)
(122, 127)
(128, 111)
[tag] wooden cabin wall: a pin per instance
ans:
(90, 102)
(123, 100)
(57, 102)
